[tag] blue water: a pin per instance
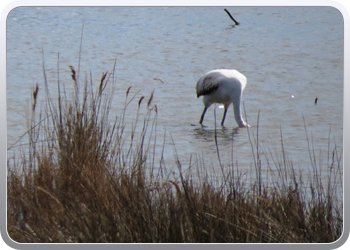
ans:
(283, 52)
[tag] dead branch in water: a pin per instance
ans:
(229, 14)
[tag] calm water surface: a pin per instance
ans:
(283, 51)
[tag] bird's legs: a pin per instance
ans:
(224, 116)
(202, 116)
(205, 110)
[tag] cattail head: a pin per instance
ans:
(127, 92)
(150, 99)
(141, 100)
(73, 73)
(35, 95)
(101, 88)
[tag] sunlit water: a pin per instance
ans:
(290, 56)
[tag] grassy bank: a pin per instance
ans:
(88, 177)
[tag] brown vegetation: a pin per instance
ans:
(80, 181)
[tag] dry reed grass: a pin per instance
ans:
(81, 182)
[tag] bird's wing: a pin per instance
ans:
(208, 86)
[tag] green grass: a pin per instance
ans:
(87, 177)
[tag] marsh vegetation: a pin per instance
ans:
(89, 176)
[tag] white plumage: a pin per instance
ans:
(223, 86)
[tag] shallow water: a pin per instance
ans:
(290, 56)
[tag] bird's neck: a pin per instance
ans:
(238, 115)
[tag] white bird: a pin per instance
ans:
(223, 86)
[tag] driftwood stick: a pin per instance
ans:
(229, 14)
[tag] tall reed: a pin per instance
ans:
(88, 177)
